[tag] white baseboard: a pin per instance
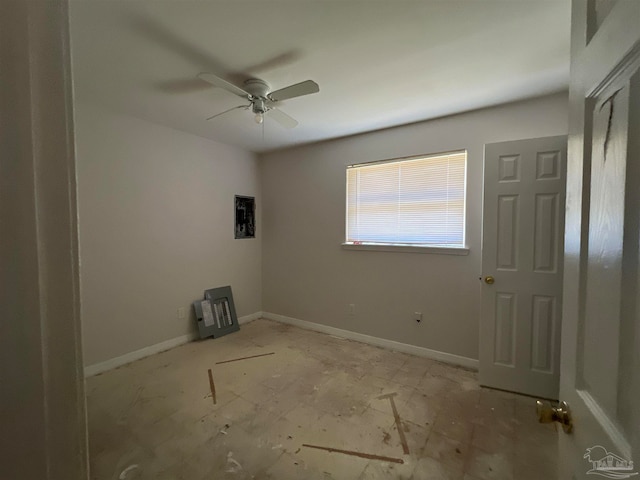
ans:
(116, 362)
(379, 342)
(138, 354)
(451, 358)
(249, 318)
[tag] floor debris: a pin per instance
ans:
(233, 466)
(356, 454)
(403, 439)
(124, 473)
(265, 412)
(245, 358)
(213, 387)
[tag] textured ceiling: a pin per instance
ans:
(378, 63)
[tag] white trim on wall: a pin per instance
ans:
(338, 332)
(116, 362)
(249, 318)
(378, 342)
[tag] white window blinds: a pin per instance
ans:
(417, 201)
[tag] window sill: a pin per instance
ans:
(390, 247)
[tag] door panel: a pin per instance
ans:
(543, 333)
(504, 353)
(509, 168)
(522, 250)
(546, 238)
(507, 232)
(606, 218)
(601, 319)
(548, 166)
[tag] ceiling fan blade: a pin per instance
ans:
(303, 88)
(282, 118)
(219, 82)
(227, 111)
(275, 62)
(185, 85)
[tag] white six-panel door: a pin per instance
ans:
(522, 251)
(600, 360)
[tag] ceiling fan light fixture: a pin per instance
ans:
(261, 98)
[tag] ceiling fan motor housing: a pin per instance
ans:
(258, 89)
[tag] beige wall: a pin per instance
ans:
(156, 217)
(156, 229)
(307, 275)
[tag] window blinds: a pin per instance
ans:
(418, 201)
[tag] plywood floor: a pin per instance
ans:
(156, 419)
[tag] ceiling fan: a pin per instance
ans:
(261, 99)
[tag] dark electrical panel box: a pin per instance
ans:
(216, 314)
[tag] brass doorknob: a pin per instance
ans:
(489, 279)
(547, 413)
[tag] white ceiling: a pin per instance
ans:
(378, 63)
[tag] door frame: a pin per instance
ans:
(43, 401)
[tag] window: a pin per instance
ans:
(418, 201)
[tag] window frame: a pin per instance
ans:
(446, 249)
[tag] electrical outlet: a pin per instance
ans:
(417, 316)
(181, 313)
(352, 309)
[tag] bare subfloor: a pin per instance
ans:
(156, 418)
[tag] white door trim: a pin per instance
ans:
(43, 401)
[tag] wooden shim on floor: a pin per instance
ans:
(368, 456)
(396, 416)
(245, 358)
(213, 387)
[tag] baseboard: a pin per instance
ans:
(249, 318)
(379, 342)
(138, 354)
(338, 332)
(116, 362)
